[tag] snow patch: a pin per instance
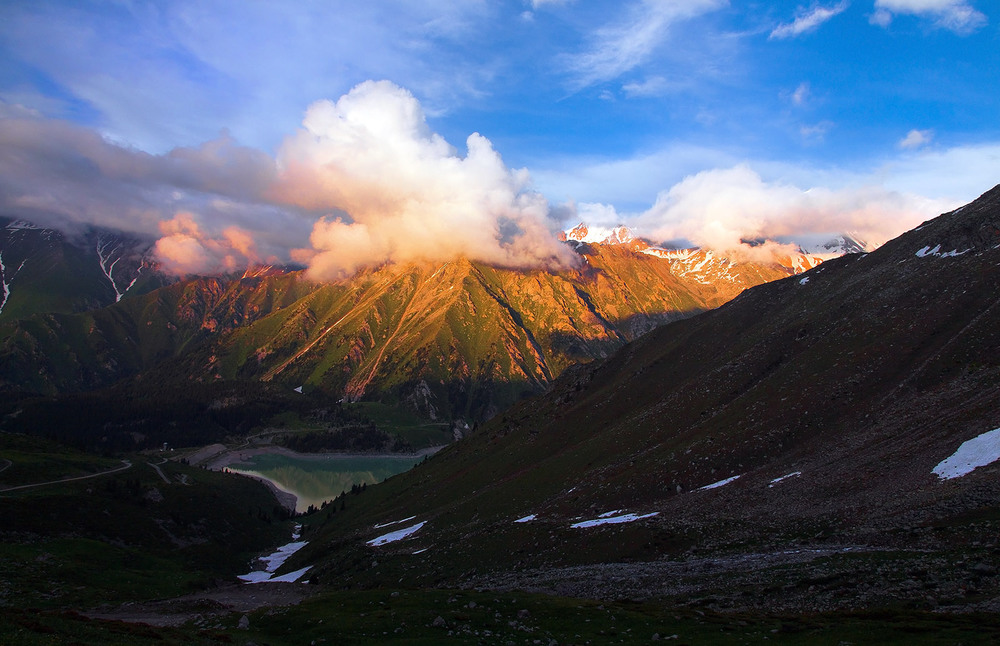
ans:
(613, 520)
(420, 551)
(298, 389)
(397, 535)
(804, 280)
(22, 224)
(3, 281)
(291, 577)
(275, 560)
(793, 474)
(936, 251)
(108, 267)
(977, 452)
(609, 513)
(526, 519)
(6, 280)
(720, 483)
(394, 522)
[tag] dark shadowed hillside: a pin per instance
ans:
(817, 405)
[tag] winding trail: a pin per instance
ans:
(5, 466)
(156, 467)
(127, 465)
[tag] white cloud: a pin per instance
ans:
(408, 194)
(881, 17)
(801, 94)
(916, 139)
(959, 174)
(807, 20)
(720, 208)
(654, 86)
(817, 131)
(624, 46)
(597, 215)
(956, 15)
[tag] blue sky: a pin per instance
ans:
(618, 111)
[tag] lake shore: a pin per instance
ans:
(230, 457)
(286, 499)
(218, 457)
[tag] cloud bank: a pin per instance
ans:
(365, 181)
(720, 209)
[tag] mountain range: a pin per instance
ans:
(813, 461)
(806, 446)
(449, 340)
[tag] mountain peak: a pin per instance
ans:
(619, 235)
(838, 245)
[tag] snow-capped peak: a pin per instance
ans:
(836, 246)
(620, 234)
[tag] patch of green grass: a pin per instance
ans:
(81, 572)
(293, 421)
(34, 459)
(411, 428)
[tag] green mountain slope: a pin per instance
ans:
(44, 270)
(454, 339)
(51, 353)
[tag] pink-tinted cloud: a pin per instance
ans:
(185, 249)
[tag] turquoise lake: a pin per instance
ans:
(314, 479)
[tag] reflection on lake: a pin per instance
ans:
(314, 479)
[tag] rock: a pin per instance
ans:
(983, 569)
(438, 622)
(523, 613)
(244, 623)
